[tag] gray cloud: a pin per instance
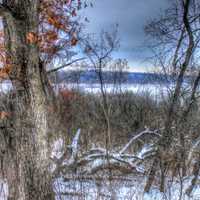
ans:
(131, 15)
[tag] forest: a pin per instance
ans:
(78, 121)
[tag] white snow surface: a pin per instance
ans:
(153, 89)
(130, 189)
(127, 187)
(100, 187)
(3, 190)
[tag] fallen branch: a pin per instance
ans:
(97, 158)
(147, 131)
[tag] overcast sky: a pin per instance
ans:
(131, 15)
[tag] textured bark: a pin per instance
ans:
(167, 137)
(196, 170)
(30, 160)
(151, 175)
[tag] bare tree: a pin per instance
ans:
(118, 68)
(177, 32)
(99, 54)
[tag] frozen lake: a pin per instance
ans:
(154, 90)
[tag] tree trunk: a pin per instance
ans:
(167, 137)
(31, 157)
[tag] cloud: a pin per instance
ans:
(131, 16)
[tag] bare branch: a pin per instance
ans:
(65, 65)
(147, 131)
(97, 158)
(194, 148)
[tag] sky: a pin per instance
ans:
(131, 16)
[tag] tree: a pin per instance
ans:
(99, 54)
(177, 33)
(35, 34)
(119, 74)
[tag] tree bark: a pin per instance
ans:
(167, 137)
(31, 155)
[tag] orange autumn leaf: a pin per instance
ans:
(74, 42)
(67, 95)
(4, 72)
(54, 32)
(32, 38)
(51, 36)
(56, 22)
(49, 50)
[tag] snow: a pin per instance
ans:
(147, 131)
(117, 187)
(130, 189)
(5, 86)
(145, 150)
(156, 90)
(57, 148)
(3, 190)
(75, 145)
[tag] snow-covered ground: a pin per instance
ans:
(109, 186)
(127, 189)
